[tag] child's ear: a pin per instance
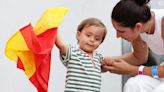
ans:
(77, 35)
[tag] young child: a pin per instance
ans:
(83, 63)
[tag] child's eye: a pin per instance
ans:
(97, 39)
(88, 35)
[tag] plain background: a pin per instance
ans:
(14, 14)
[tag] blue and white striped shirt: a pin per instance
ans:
(83, 71)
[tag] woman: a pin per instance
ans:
(136, 23)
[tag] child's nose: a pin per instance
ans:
(92, 38)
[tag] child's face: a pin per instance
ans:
(90, 38)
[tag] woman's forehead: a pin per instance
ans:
(119, 27)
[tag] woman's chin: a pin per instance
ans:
(129, 40)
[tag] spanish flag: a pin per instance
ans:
(30, 47)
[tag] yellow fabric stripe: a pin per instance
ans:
(15, 44)
(50, 19)
(28, 61)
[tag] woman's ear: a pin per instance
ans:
(138, 27)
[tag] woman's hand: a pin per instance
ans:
(119, 66)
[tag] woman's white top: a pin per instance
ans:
(155, 41)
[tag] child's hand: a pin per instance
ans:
(107, 61)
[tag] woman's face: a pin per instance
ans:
(127, 33)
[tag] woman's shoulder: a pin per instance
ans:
(158, 12)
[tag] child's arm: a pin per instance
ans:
(61, 45)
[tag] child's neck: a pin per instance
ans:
(88, 53)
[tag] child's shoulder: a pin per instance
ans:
(74, 49)
(99, 55)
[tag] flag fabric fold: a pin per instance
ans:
(31, 47)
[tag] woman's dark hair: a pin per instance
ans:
(92, 22)
(130, 12)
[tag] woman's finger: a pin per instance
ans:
(109, 68)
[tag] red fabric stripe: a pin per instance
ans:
(41, 46)
(19, 64)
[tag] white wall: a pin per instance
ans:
(18, 13)
(157, 4)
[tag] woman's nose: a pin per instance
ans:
(118, 35)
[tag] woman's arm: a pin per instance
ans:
(148, 71)
(122, 67)
(162, 27)
(140, 52)
(61, 45)
(139, 55)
